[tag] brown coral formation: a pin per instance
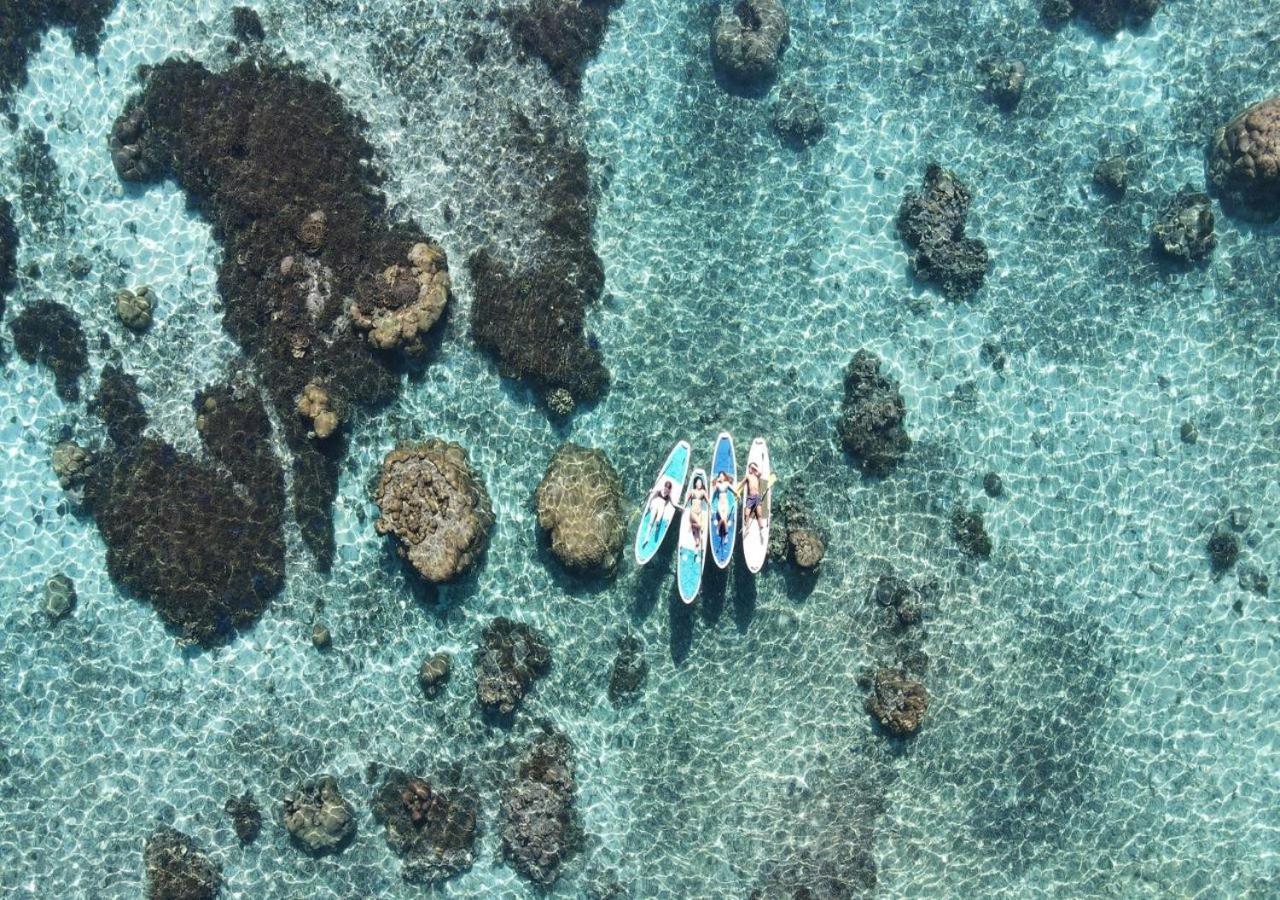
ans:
(400, 307)
(315, 405)
(579, 504)
(1244, 162)
(318, 817)
(435, 506)
(898, 701)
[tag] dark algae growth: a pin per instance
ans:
(24, 22)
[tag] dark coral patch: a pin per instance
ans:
(24, 22)
(8, 252)
(540, 829)
(430, 827)
(266, 152)
(565, 34)
(931, 221)
(872, 419)
(119, 405)
(1109, 16)
(49, 333)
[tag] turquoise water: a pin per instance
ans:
(1103, 708)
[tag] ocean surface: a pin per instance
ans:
(1105, 707)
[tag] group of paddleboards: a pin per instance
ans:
(713, 510)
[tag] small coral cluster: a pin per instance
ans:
(898, 701)
(510, 657)
(540, 829)
(431, 828)
(400, 307)
(1244, 162)
(579, 503)
(318, 817)
(748, 38)
(871, 424)
(931, 221)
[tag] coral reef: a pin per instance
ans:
(433, 674)
(177, 869)
(510, 656)
(316, 406)
(435, 506)
(134, 308)
(748, 38)
(797, 116)
(872, 417)
(806, 543)
(630, 668)
(1244, 162)
(993, 485)
(565, 34)
(897, 701)
(1003, 81)
(71, 463)
(1108, 16)
(905, 598)
(1224, 550)
(59, 597)
(540, 831)
(431, 829)
(49, 333)
(8, 252)
(247, 26)
(931, 221)
(969, 530)
(579, 503)
(1184, 228)
(321, 636)
(261, 149)
(246, 816)
(119, 405)
(318, 817)
(1112, 175)
(24, 22)
(399, 308)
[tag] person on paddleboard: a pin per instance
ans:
(723, 485)
(751, 505)
(659, 499)
(693, 506)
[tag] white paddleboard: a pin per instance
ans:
(755, 534)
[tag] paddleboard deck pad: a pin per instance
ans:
(655, 519)
(724, 502)
(692, 555)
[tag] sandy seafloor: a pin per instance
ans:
(1104, 711)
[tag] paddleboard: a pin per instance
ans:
(755, 535)
(724, 502)
(692, 555)
(654, 520)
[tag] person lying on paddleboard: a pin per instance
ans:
(723, 485)
(659, 499)
(751, 505)
(693, 504)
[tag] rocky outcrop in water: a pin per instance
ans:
(177, 869)
(1244, 162)
(806, 541)
(931, 221)
(24, 22)
(134, 308)
(59, 597)
(1108, 16)
(906, 599)
(433, 674)
(565, 34)
(897, 701)
(71, 463)
(436, 507)
(509, 658)
(540, 830)
(203, 542)
(281, 169)
(1003, 81)
(318, 817)
(246, 816)
(399, 308)
(119, 405)
(8, 252)
(1224, 550)
(969, 530)
(579, 504)
(797, 116)
(431, 828)
(748, 39)
(316, 406)
(48, 333)
(1184, 228)
(630, 668)
(871, 423)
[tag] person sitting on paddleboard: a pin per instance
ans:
(694, 505)
(659, 499)
(751, 506)
(723, 484)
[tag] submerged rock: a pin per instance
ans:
(993, 485)
(1184, 228)
(436, 507)
(931, 221)
(48, 333)
(318, 817)
(246, 25)
(432, 829)
(748, 38)
(177, 869)
(629, 671)
(565, 34)
(134, 308)
(1112, 175)
(246, 816)
(1003, 81)
(316, 406)
(25, 21)
(118, 404)
(897, 701)
(400, 307)
(871, 424)
(1224, 550)
(1108, 16)
(8, 252)
(797, 117)
(579, 504)
(1244, 162)
(59, 597)
(969, 530)
(510, 657)
(433, 674)
(806, 542)
(540, 831)
(72, 464)
(1188, 433)
(321, 636)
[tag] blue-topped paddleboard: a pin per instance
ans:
(692, 553)
(724, 500)
(656, 518)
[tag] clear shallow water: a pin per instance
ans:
(1102, 720)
